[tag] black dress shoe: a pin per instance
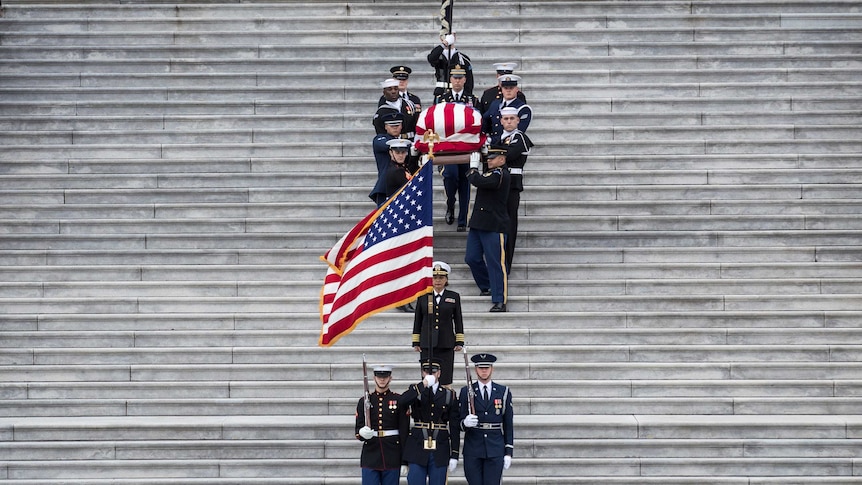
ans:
(450, 216)
(484, 292)
(462, 228)
(498, 307)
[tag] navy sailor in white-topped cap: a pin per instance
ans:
(488, 432)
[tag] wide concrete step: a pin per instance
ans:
(345, 406)
(47, 9)
(532, 427)
(529, 448)
(806, 123)
(80, 321)
(712, 343)
(535, 223)
(571, 90)
(771, 134)
(446, 241)
(239, 390)
(822, 274)
(541, 371)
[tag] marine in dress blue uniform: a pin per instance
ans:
(382, 439)
(431, 450)
(486, 241)
(488, 431)
(438, 324)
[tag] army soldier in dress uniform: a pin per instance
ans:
(383, 438)
(442, 58)
(392, 102)
(488, 432)
(438, 326)
(518, 147)
(431, 449)
(489, 223)
(455, 181)
(491, 118)
(494, 93)
(402, 74)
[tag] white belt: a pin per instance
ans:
(516, 171)
(441, 84)
(386, 432)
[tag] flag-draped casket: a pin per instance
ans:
(459, 127)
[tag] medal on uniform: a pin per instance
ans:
(393, 405)
(498, 405)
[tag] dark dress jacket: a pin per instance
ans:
(492, 193)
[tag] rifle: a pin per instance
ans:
(367, 394)
(471, 396)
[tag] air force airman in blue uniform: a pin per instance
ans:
(488, 434)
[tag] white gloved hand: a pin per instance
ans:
(413, 151)
(449, 39)
(485, 147)
(404, 470)
(507, 462)
(423, 160)
(471, 421)
(475, 160)
(366, 432)
(452, 464)
(430, 380)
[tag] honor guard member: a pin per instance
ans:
(494, 93)
(491, 119)
(442, 58)
(438, 325)
(518, 147)
(399, 170)
(392, 102)
(455, 181)
(489, 223)
(402, 74)
(383, 438)
(488, 431)
(392, 123)
(431, 449)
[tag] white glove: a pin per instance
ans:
(475, 160)
(507, 462)
(413, 151)
(452, 464)
(471, 421)
(366, 432)
(423, 160)
(449, 39)
(430, 380)
(404, 470)
(485, 148)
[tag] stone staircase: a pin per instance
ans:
(685, 300)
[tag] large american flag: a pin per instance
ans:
(383, 262)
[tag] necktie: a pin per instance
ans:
(485, 393)
(457, 98)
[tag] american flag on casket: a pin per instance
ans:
(459, 127)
